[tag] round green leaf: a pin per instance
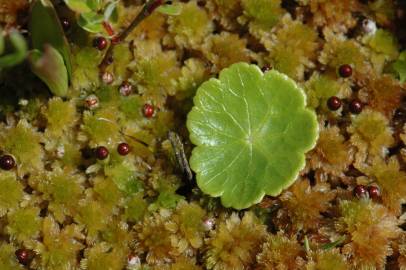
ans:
(251, 132)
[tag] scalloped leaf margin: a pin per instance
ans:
(251, 132)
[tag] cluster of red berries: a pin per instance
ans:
(102, 152)
(334, 103)
(371, 191)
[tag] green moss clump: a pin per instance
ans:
(124, 176)
(24, 223)
(63, 190)
(264, 13)
(89, 213)
(319, 89)
(85, 75)
(60, 247)
(61, 116)
(8, 260)
(101, 256)
(23, 142)
(101, 127)
(11, 192)
(135, 208)
(191, 26)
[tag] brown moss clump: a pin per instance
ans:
(338, 50)
(370, 228)
(282, 253)
(391, 181)
(383, 94)
(288, 35)
(235, 243)
(226, 12)
(332, 154)
(154, 239)
(371, 135)
(334, 14)
(303, 204)
(226, 49)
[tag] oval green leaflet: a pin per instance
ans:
(45, 28)
(251, 132)
(19, 49)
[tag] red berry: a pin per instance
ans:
(334, 103)
(374, 192)
(24, 256)
(7, 162)
(345, 71)
(123, 149)
(355, 106)
(360, 191)
(100, 43)
(65, 24)
(148, 110)
(102, 152)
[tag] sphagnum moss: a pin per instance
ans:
(69, 209)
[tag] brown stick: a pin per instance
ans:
(148, 8)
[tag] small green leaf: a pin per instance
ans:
(251, 131)
(124, 176)
(94, 4)
(46, 29)
(50, 68)
(20, 50)
(2, 41)
(400, 67)
(334, 244)
(172, 10)
(78, 6)
(91, 22)
(111, 12)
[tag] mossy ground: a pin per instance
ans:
(138, 211)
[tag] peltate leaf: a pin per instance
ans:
(251, 132)
(172, 9)
(50, 68)
(46, 29)
(20, 50)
